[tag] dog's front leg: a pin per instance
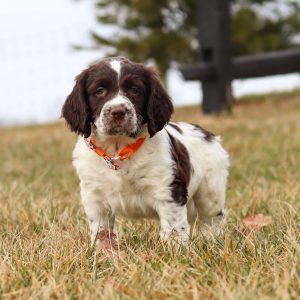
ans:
(101, 220)
(174, 226)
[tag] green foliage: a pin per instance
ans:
(253, 32)
(159, 30)
(165, 30)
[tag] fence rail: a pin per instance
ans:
(249, 66)
(217, 68)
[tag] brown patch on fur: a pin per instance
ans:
(76, 110)
(208, 136)
(182, 171)
(176, 127)
(160, 107)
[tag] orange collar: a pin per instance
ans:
(126, 152)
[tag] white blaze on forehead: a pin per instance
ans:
(116, 65)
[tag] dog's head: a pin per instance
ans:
(117, 97)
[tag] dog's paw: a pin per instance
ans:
(213, 227)
(175, 237)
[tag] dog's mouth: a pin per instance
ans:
(122, 127)
(117, 130)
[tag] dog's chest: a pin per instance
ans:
(133, 191)
(132, 196)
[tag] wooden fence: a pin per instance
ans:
(217, 68)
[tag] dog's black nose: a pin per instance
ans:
(118, 113)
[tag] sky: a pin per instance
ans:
(38, 63)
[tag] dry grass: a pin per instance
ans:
(44, 243)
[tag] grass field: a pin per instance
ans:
(44, 242)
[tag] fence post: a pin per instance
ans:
(214, 35)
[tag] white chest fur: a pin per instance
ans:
(132, 191)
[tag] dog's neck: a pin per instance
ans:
(112, 144)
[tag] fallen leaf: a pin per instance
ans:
(254, 223)
(226, 256)
(108, 246)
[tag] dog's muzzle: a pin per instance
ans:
(118, 118)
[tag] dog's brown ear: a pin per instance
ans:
(160, 107)
(76, 110)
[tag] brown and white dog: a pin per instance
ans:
(176, 174)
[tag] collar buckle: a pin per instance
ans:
(109, 162)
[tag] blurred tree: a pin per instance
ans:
(165, 30)
(254, 32)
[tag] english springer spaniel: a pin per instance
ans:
(133, 162)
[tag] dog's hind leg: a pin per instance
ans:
(174, 226)
(209, 201)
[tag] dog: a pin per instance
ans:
(133, 162)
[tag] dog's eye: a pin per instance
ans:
(101, 91)
(134, 90)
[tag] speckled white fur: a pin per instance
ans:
(118, 100)
(142, 187)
